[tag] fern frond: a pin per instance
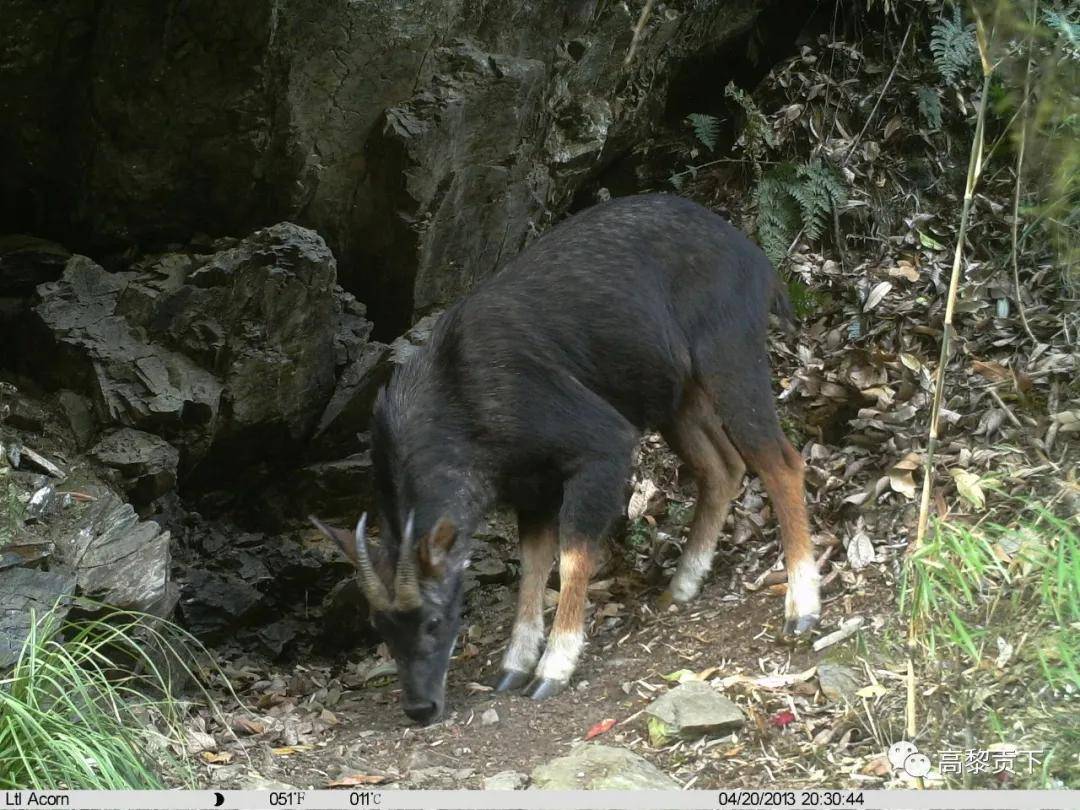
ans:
(953, 45)
(706, 128)
(819, 192)
(929, 106)
(778, 213)
(1066, 28)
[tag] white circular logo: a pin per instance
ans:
(899, 752)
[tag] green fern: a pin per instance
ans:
(1066, 24)
(820, 191)
(778, 213)
(953, 46)
(792, 198)
(929, 106)
(706, 128)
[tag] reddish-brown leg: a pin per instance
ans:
(538, 539)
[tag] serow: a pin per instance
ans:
(644, 312)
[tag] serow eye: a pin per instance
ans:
(432, 625)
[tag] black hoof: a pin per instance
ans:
(543, 688)
(801, 625)
(510, 680)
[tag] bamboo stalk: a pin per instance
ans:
(975, 166)
(1020, 171)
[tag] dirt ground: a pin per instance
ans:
(323, 725)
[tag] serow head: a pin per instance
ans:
(415, 605)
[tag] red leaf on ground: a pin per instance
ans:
(600, 728)
(781, 719)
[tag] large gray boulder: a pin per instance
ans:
(226, 356)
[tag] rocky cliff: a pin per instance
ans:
(424, 140)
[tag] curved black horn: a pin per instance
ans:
(406, 585)
(373, 587)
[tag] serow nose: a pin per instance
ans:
(422, 711)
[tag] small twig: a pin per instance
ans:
(642, 20)
(849, 628)
(1020, 175)
(1004, 407)
(881, 95)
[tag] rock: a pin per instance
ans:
(213, 605)
(229, 356)
(336, 491)
(25, 592)
(505, 780)
(80, 417)
(31, 458)
(26, 261)
(349, 409)
(691, 710)
(41, 503)
(600, 767)
(489, 718)
(146, 464)
(489, 571)
(117, 559)
(839, 682)
(345, 616)
(253, 780)
(450, 777)
(425, 140)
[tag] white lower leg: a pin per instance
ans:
(526, 642)
(694, 565)
(561, 656)
(804, 590)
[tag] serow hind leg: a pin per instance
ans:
(781, 470)
(699, 439)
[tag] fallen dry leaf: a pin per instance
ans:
(243, 725)
(602, 727)
(289, 750)
(969, 486)
(356, 779)
(216, 758)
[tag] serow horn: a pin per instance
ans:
(406, 586)
(372, 586)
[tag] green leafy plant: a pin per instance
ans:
(89, 705)
(792, 198)
(953, 45)
(756, 135)
(1065, 23)
(706, 128)
(966, 584)
(929, 106)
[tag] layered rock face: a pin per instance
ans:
(424, 140)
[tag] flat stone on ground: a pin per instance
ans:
(601, 767)
(505, 780)
(839, 682)
(694, 709)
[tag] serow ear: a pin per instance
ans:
(345, 540)
(435, 549)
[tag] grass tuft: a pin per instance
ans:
(89, 705)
